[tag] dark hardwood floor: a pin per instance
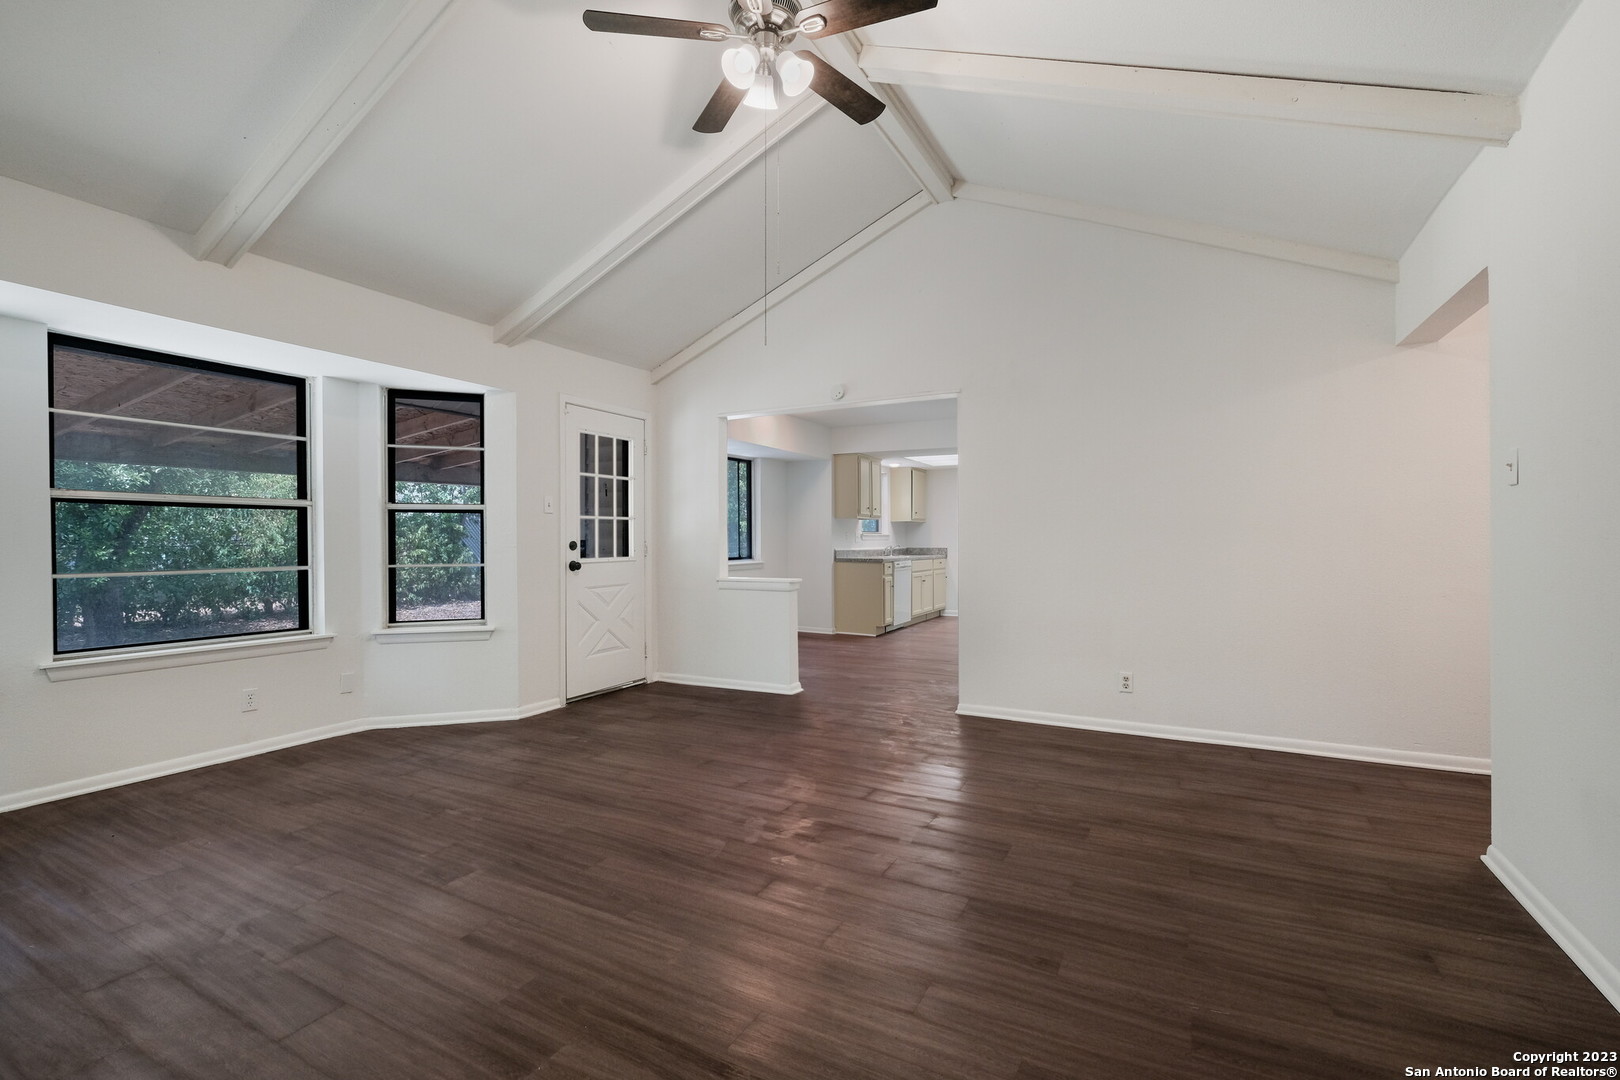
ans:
(854, 883)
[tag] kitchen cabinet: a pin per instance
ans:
(908, 494)
(922, 590)
(870, 597)
(863, 597)
(857, 486)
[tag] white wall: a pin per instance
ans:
(1249, 497)
(810, 528)
(90, 271)
(1547, 219)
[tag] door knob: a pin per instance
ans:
(573, 564)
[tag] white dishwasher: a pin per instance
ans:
(902, 592)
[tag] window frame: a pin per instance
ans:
(303, 504)
(392, 510)
(752, 537)
(885, 527)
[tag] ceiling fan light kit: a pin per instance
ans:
(762, 70)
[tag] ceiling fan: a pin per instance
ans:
(762, 70)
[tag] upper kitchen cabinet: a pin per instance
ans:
(857, 486)
(908, 494)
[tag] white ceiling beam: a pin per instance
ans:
(912, 206)
(1271, 247)
(897, 124)
(385, 46)
(1481, 118)
(739, 150)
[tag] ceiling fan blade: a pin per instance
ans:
(719, 109)
(842, 92)
(612, 22)
(842, 15)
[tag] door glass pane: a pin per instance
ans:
(621, 458)
(624, 537)
(624, 498)
(604, 455)
(604, 496)
(587, 453)
(604, 538)
(587, 495)
(587, 538)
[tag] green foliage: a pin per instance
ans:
(95, 537)
(407, 491)
(426, 537)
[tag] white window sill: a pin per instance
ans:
(761, 584)
(89, 667)
(427, 635)
(745, 564)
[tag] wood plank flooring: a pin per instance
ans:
(854, 883)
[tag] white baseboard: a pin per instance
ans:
(1597, 967)
(817, 630)
(471, 716)
(729, 684)
(135, 775)
(120, 777)
(949, 613)
(1414, 758)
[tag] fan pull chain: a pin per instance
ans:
(765, 235)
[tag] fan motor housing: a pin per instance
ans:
(778, 16)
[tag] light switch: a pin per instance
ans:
(1511, 460)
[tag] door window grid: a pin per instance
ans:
(604, 497)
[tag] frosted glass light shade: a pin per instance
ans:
(739, 65)
(762, 95)
(795, 72)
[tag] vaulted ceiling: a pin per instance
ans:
(497, 160)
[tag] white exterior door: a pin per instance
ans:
(606, 575)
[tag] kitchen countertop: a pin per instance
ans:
(878, 554)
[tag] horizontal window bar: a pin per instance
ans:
(426, 565)
(189, 427)
(179, 573)
(176, 500)
(471, 448)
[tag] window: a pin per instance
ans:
(605, 506)
(436, 506)
(179, 501)
(875, 527)
(739, 509)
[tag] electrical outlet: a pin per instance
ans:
(1127, 683)
(250, 700)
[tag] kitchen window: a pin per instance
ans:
(179, 499)
(739, 509)
(435, 507)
